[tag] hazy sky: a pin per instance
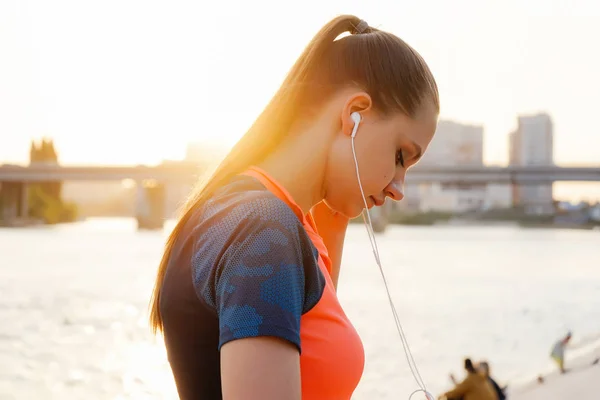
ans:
(133, 81)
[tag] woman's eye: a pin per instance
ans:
(399, 158)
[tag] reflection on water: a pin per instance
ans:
(74, 301)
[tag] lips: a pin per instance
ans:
(376, 201)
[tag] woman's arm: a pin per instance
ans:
(332, 228)
(260, 368)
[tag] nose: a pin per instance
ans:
(395, 189)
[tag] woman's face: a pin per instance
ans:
(385, 148)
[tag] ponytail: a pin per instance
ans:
(266, 133)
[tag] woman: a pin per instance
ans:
(246, 291)
(475, 386)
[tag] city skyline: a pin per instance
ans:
(437, 154)
(213, 152)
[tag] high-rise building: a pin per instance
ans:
(454, 144)
(532, 144)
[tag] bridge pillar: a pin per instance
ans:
(150, 205)
(8, 205)
(24, 200)
(14, 202)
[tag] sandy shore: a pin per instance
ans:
(581, 382)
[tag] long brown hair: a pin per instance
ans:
(387, 68)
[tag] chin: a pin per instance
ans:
(356, 212)
(348, 210)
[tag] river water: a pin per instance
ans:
(73, 302)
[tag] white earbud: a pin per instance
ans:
(356, 119)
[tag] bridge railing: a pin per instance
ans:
(188, 173)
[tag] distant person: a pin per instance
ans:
(245, 294)
(558, 352)
(484, 368)
(475, 386)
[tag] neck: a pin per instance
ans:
(299, 166)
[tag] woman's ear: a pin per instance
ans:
(358, 102)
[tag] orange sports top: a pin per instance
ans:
(332, 358)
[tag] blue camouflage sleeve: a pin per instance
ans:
(267, 275)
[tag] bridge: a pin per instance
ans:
(188, 173)
(14, 180)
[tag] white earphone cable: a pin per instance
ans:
(369, 226)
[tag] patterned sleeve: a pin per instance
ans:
(267, 275)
